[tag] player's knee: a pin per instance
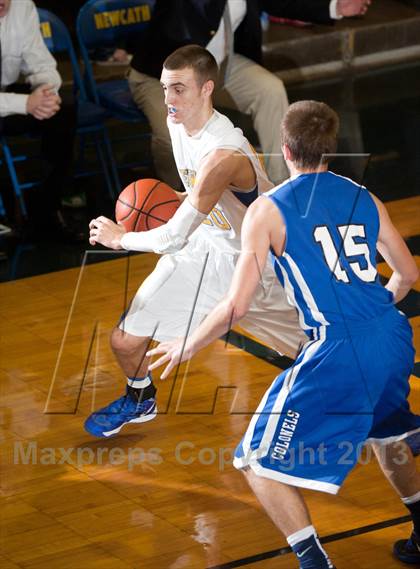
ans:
(117, 340)
(125, 344)
(246, 471)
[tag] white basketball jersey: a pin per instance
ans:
(222, 227)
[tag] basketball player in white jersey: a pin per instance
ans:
(200, 244)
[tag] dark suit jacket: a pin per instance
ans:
(180, 22)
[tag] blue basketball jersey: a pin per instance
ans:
(328, 267)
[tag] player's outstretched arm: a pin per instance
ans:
(394, 250)
(262, 228)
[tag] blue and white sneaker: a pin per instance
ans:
(408, 550)
(109, 420)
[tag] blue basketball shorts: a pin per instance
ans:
(346, 387)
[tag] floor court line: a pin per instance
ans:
(326, 539)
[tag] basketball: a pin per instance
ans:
(146, 204)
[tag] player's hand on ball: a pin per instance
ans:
(106, 232)
(174, 352)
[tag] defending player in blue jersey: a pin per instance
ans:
(349, 385)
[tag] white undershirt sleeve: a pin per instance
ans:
(167, 238)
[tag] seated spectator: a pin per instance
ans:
(111, 56)
(36, 107)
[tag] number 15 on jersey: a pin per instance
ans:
(356, 252)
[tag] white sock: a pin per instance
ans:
(139, 382)
(300, 535)
(411, 499)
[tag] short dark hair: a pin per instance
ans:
(195, 57)
(310, 129)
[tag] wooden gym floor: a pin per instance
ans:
(162, 494)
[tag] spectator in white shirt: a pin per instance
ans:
(36, 106)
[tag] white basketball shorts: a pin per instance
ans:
(184, 287)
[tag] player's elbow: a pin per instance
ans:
(407, 277)
(411, 275)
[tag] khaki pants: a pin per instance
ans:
(250, 89)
